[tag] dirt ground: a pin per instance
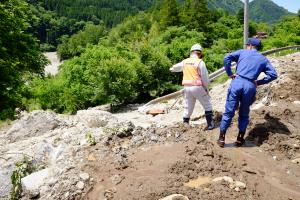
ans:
(185, 159)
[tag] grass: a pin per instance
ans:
(5, 123)
(220, 80)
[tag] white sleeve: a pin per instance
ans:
(177, 67)
(204, 74)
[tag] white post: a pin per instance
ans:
(246, 22)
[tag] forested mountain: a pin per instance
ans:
(260, 10)
(111, 12)
(57, 18)
(232, 6)
(266, 11)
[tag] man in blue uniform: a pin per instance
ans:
(242, 90)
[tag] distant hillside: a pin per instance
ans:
(266, 11)
(111, 12)
(232, 6)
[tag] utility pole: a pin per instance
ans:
(246, 22)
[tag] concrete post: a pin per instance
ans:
(246, 22)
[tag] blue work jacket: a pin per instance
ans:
(250, 63)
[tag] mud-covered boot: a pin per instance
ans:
(221, 140)
(209, 120)
(240, 139)
(186, 120)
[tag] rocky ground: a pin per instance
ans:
(128, 155)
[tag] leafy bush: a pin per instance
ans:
(76, 44)
(23, 168)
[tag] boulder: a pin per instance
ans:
(33, 124)
(95, 118)
(34, 181)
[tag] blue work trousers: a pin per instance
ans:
(240, 93)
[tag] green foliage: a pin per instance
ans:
(22, 169)
(90, 138)
(286, 32)
(19, 54)
(111, 12)
(133, 29)
(57, 18)
(100, 75)
(195, 14)
(76, 44)
(232, 6)
(170, 13)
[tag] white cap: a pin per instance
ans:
(196, 47)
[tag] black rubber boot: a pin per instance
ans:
(240, 139)
(221, 140)
(186, 120)
(209, 120)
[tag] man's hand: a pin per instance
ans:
(255, 82)
(171, 69)
(233, 76)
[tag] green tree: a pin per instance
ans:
(170, 13)
(76, 44)
(19, 53)
(195, 14)
(240, 15)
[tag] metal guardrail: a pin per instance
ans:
(221, 71)
(212, 76)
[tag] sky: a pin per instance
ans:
(290, 5)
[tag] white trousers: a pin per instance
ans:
(193, 93)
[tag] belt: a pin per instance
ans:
(248, 79)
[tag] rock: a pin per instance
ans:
(117, 179)
(228, 179)
(240, 184)
(33, 194)
(80, 185)
(67, 194)
(125, 129)
(95, 118)
(84, 176)
(175, 197)
(225, 178)
(33, 124)
(105, 107)
(296, 161)
(217, 179)
(236, 185)
(34, 181)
